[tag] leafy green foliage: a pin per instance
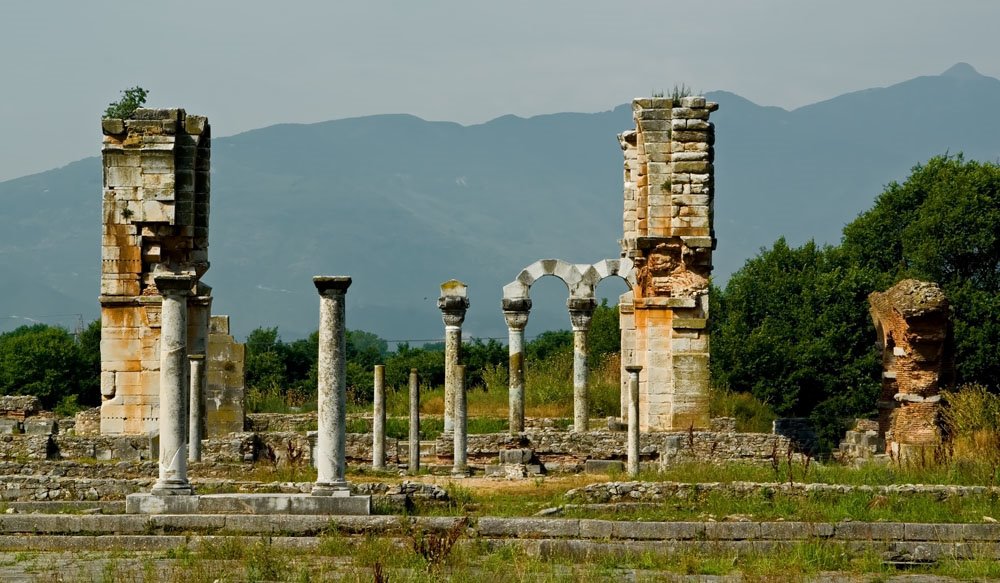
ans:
(943, 225)
(47, 362)
(792, 326)
(793, 329)
(132, 99)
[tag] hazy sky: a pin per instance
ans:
(252, 63)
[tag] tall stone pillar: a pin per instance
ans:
(453, 303)
(155, 203)
(668, 233)
(515, 312)
(196, 405)
(173, 385)
(633, 419)
(460, 465)
(913, 322)
(581, 310)
(332, 388)
(199, 314)
(413, 465)
(378, 419)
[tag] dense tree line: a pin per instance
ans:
(792, 326)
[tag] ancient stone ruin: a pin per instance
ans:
(224, 396)
(914, 331)
(155, 215)
(669, 237)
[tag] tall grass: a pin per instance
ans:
(752, 415)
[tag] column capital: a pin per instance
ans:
(173, 283)
(633, 368)
(453, 309)
(515, 311)
(332, 284)
(581, 310)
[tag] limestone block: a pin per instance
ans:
(688, 113)
(693, 167)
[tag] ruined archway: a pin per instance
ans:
(581, 283)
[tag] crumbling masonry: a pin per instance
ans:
(668, 235)
(155, 216)
(914, 331)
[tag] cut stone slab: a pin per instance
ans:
(603, 466)
(299, 504)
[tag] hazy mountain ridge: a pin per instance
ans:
(402, 204)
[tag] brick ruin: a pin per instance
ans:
(914, 332)
(155, 217)
(668, 235)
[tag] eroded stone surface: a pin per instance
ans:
(668, 235)
(155, 220)
(914, 330)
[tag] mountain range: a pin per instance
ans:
(402, 204)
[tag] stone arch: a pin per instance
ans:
(581, 282)
(581, 279)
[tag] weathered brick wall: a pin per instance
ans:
(914, 330)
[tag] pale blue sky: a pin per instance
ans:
(252, 63)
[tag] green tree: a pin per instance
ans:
(604, 336)
(943, 225)
(549, 343)
(265, 359)
(44, 361)
(792, 328)
(131, 100)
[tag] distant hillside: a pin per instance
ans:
(402, 204)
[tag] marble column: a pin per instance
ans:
(460, 465)
(633, 419)
(580, 312)
(196, 404)
(378, 419)
(332, 387)
(515, 312)
(413, 465)
(453, 303)
(199, 314)
(175, 290)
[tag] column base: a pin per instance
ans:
(461, 473)
(172, 488)
(336, 489)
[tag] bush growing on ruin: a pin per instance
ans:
(131, 100)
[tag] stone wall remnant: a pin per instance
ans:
(155, 220)
(225, 394)
(913, 324)
(669, 237)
